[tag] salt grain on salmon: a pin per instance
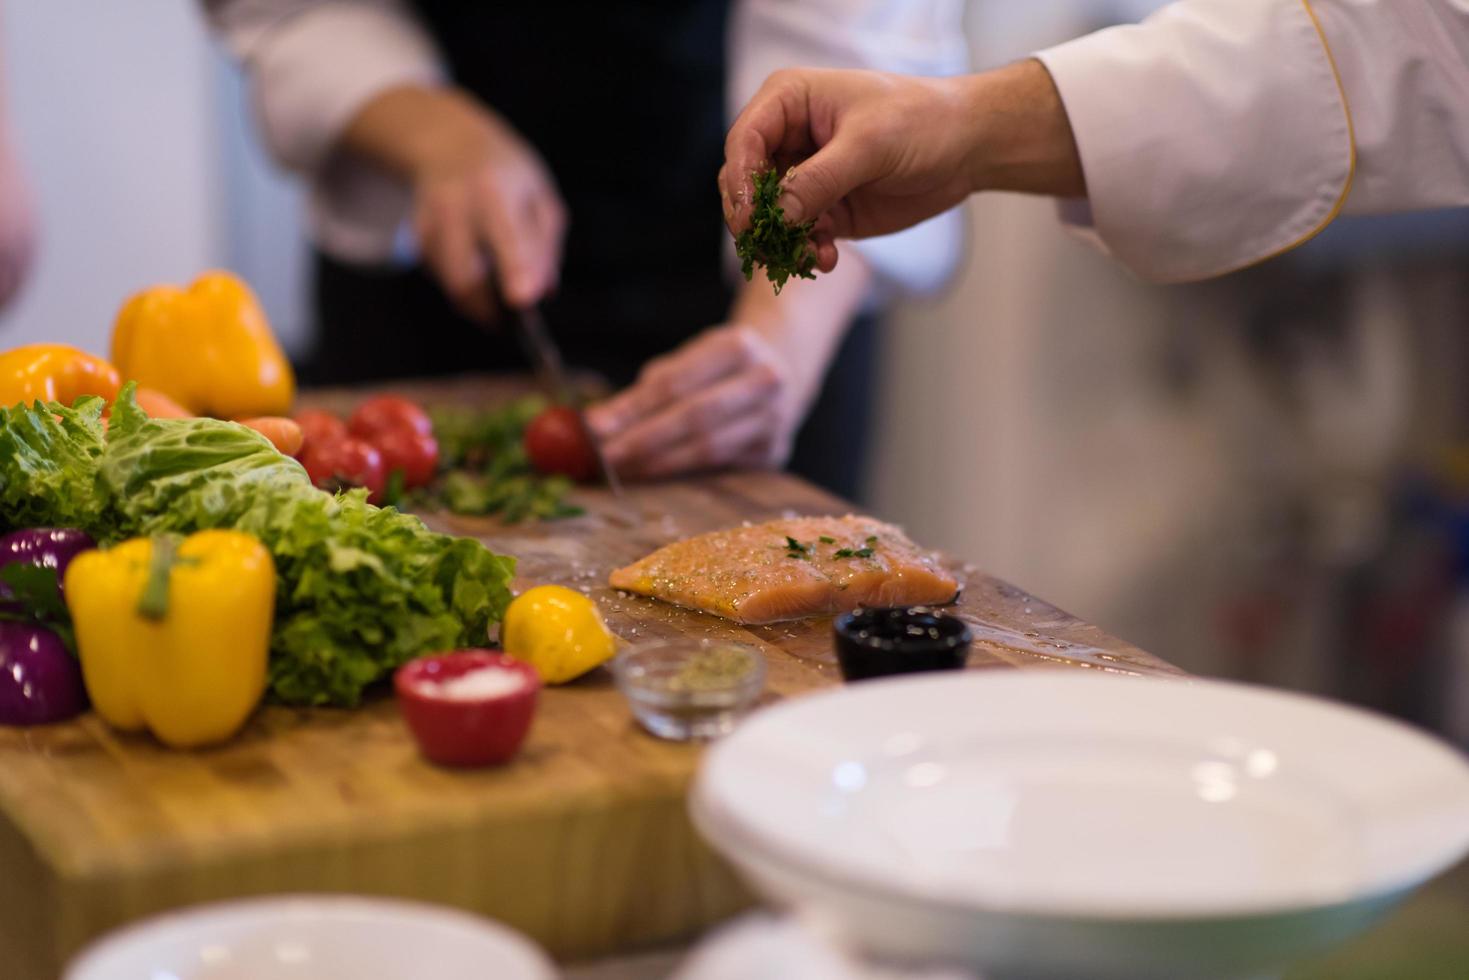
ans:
(790, 569)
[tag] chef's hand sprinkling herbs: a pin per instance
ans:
(864, 153)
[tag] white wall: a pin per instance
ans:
(130, 126)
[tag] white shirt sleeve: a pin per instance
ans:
(1219, 133)
(918, 37)
(312, 65)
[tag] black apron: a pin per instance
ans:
(625, 102)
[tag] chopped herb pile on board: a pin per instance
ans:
(784, 250)
(488, 472)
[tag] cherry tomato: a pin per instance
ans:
(319, 428)
(386, 412)
(414, 453)
(556, 443)
(346, 463)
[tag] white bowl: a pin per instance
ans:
(313, 938)
(1056, 825)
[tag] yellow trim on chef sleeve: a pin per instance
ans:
(1214, 135)
(1346, 190)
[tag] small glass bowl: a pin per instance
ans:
(672, 703)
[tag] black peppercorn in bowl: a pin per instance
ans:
(899, 640)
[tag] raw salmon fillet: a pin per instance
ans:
(753, 574)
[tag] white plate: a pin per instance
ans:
(1018, 808)
(313, 938)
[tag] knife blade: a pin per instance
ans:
(550, 371)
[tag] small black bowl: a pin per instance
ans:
(901, 640)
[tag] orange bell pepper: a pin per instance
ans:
(54, 373)
(208, 347)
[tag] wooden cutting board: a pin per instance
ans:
(582, 842)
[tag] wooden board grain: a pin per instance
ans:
(582, 842)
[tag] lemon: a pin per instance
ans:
(558, 631)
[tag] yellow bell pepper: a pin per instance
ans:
(53, 373)
(173, 636)
(558, 631)
(207, 347)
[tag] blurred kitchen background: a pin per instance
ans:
(1264, 477)
(1259, 477)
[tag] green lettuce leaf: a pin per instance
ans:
(49, 456)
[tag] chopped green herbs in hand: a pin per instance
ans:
(784, 250)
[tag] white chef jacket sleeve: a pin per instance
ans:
(312, 65)
(1219, 133)
(917, 37)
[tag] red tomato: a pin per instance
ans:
(319, 428)
(386, 412)
(556, 443)
(413, 453)
(346, 463)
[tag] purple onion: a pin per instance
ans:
(48, 547)
(40, 681)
